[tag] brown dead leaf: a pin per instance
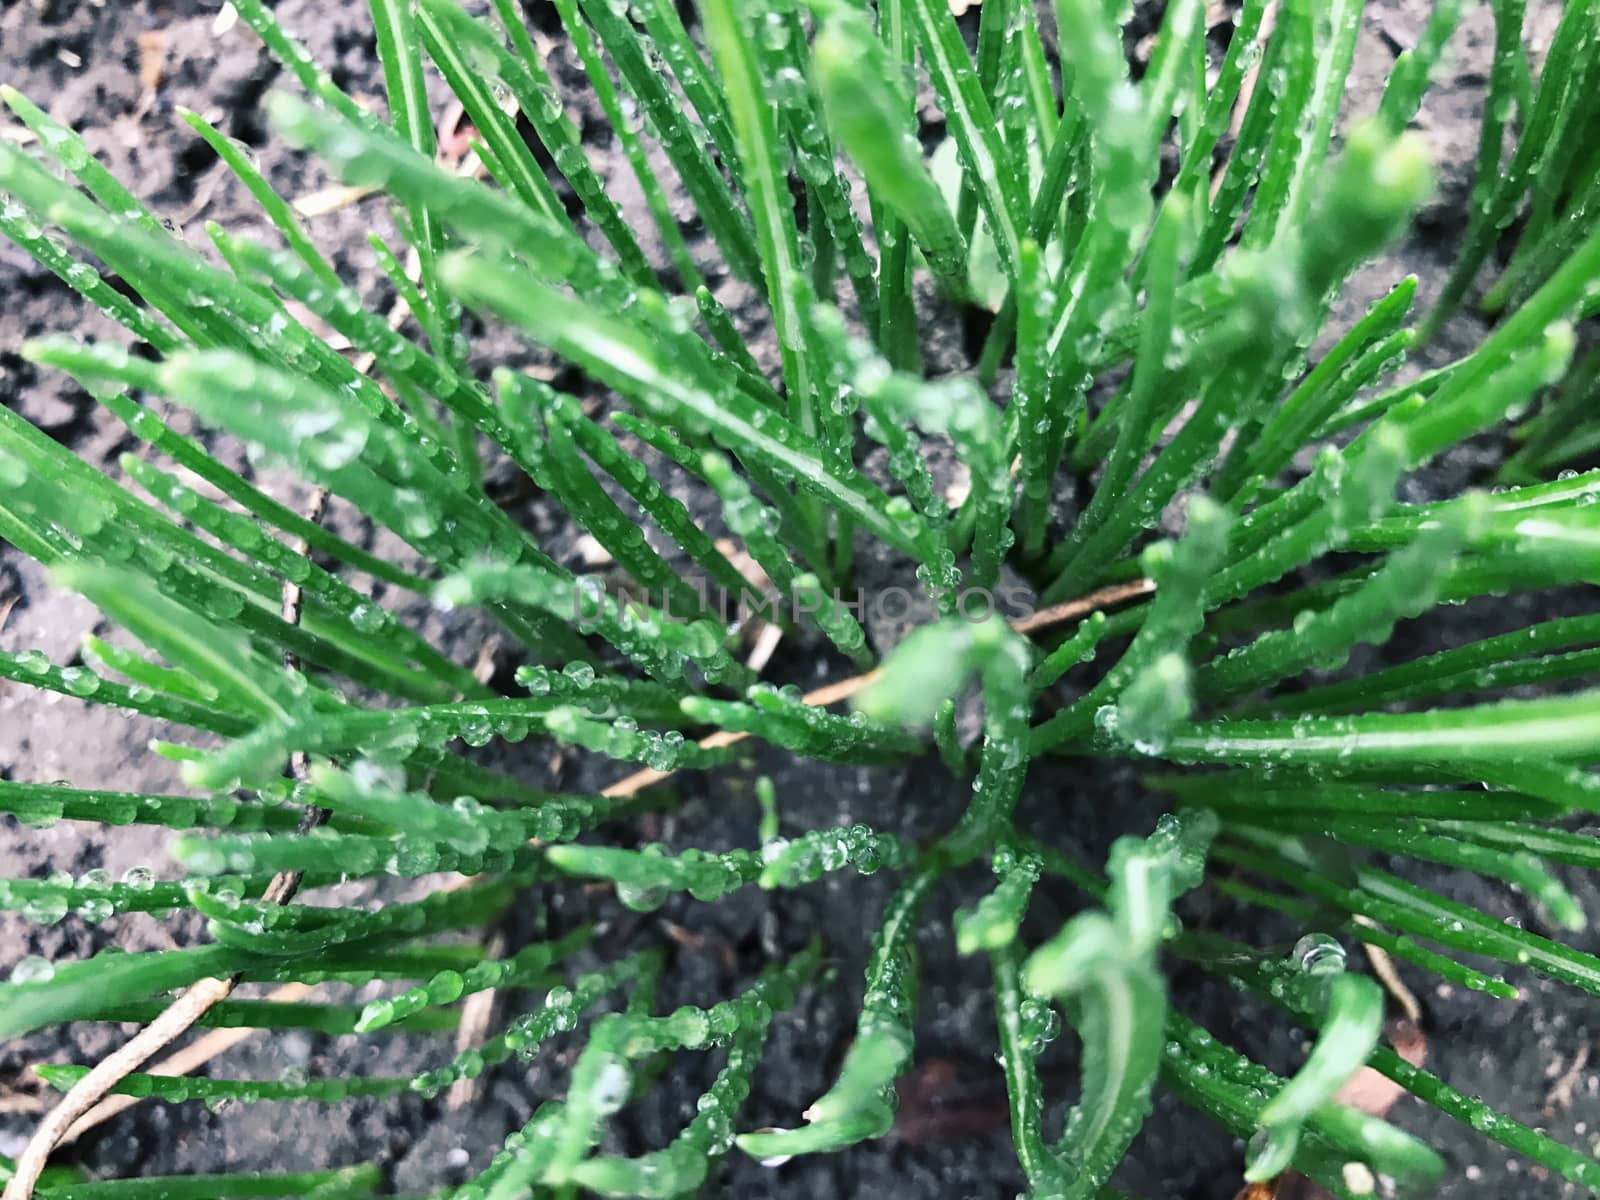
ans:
(454, 133)
(943, 1100)
(1367, 1090)
(1291, 1185)
(1373, 1093)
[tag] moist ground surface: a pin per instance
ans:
(118, 72)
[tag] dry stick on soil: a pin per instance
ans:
(477, 1014)
(182, 1061)
(107, 1073)
(1383, 967)
(68, 1116)
(832, 693)
(1559, 1097)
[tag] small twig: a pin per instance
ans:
(1247, 89)
(1559, 1097)
(483, 666)
(477, 1013)
(1383, 967)
(107, 1073)
(282, 887)
(649, 777)
(16, 1100)
(832, 693)
(181, 1062)
(293, 596)
(326, 200)
(766, 644)
(1116, 593)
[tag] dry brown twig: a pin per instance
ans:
(1383, 967)
(1559, 1097)
(181, 1062)
(477, 1014)
(832, 693)
(107, 1073)
(1247, 90)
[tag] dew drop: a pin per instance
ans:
(95, 910)
(33, 969)
(33, 662)
(367, 618)
(641, 899)
(141, 879)
(46, 910)
(80, 682)
(1319, 954)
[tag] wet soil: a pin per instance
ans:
(90, 63)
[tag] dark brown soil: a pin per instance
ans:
(82, 60)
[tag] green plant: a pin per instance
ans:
(1554, 191)
(332, 740)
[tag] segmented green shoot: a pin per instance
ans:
(861, 1102)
